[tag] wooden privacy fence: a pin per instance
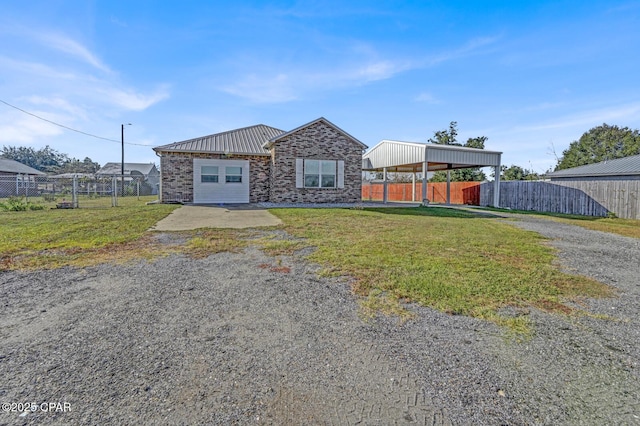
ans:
(589, 198)
(461, 192)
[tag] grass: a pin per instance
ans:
(624, 227)
(54, 238)
(454, 261)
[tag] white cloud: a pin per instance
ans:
(23, 129)
(377, 71)
(73, 48)
(285, 87)
(278, 88)
(132, 100)
(58, 103)
(472, 47)
(36, 69)
(629, 112)
(426, 97)
(357, 65)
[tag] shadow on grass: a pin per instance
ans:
(450, 212)
(551, 214)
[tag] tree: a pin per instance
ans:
(446, 136)
(76, 166)
(45, 159)
(514, 172)
(599, 144)
(49, 160)
(449, 137)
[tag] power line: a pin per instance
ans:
(68, 128)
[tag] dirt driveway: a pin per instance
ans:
(251, 339)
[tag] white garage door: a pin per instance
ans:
(220, 181)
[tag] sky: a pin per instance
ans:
(531, 76)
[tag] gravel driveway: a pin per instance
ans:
(248, 339)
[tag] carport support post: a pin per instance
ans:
(448, 186)
(413, 185)
(425, 168)
(496, 187)
(384, 185)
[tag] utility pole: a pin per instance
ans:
(122, 163)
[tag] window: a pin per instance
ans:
(319, 174)
(209, 174)
(233, 174)
(328, 174)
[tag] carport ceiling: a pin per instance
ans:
(397, 156)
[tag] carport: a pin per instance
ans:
(411, 157)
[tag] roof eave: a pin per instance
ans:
(194, 151)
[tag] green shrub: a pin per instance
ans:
(17, 204)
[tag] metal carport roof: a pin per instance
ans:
(413, 157)
(398, 156)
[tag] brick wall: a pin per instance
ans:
(177, 175)
(317, 142)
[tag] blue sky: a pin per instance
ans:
(532, 76)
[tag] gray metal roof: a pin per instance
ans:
(274, 139)
(619, 167)
(248, 140)
(115, 169)
(12, 166)
(409, 156)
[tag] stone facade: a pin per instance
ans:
(318, 141)
(177, 175)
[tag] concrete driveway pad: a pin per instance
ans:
(233, 216)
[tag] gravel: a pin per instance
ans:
(251, 339)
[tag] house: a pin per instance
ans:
(11, 168)
(315, 163)
(626, 168)
(148, 171)
(17, 178)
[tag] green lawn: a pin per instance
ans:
(455, 261)
(56, 237)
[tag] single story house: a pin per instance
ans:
(148, 171)
(11, 168)
(315, 163)
(626, 168)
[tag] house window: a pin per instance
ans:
(319, 174)
(209, 174)
(233, 174)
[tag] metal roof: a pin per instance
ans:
(115, 169)
(409, 156)
(248, 140)
(12, 166)
(619, 167)
(274, 139)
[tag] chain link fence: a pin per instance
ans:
(73, 191)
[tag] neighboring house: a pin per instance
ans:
(148, 171)
(11, 168)
(626, 168)
(315, 163)
(17, 178)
